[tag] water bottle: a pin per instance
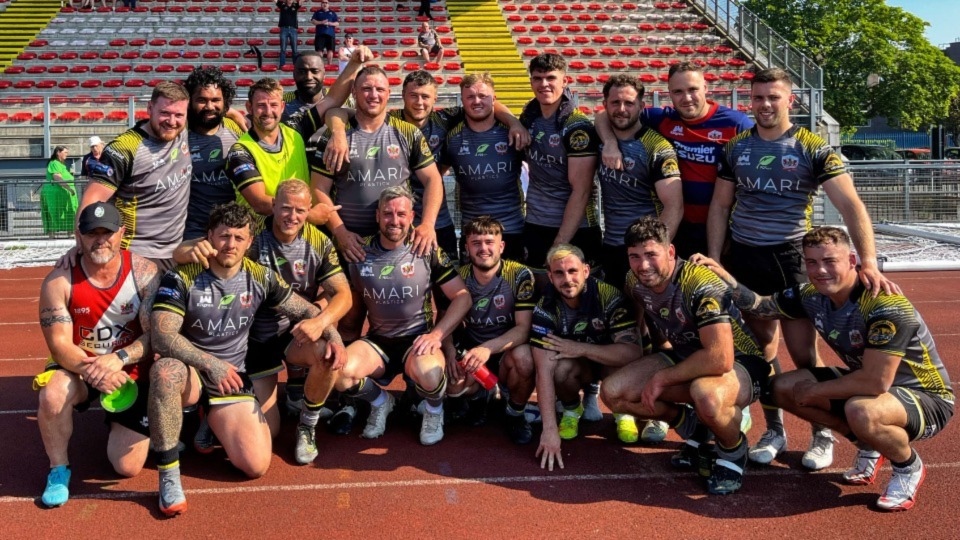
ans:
(483, 375)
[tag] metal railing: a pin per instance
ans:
(768, 49)
(913, 192)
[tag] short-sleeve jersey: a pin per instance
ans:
(378, 160)
(603, 313)
(552, 143)
(305, 263)
(631, 193)
(218, 313)
(105, 319)
(427, 39)
(435, 132)
(888, 323)
(495, 304)
(209, 185)
(694, 298)
(776, 182)
(252, 161)
(151, 179)
(487, 168)
(699, 148)
(396, 287)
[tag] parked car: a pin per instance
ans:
(914, 153)
(863, 152)
(951, 152)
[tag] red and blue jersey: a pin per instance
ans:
(699, 147)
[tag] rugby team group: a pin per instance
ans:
(217, 247)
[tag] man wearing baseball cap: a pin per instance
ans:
(96, 148)
(95, 319)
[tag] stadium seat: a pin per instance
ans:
(637, 64)
(14, 70)
(100, 68)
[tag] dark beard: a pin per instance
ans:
(307, 95)
(194, 120)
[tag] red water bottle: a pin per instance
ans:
(483, 375)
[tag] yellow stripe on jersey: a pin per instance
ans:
(694, 277)
(607, 294)
(128, 217)
(233, 126)
(167, 307)
(319, 242)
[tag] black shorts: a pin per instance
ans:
(538, 240)
(512, 248)
(447, 240)
(927, 414)
(265, 359)
(393, 352)
(216, 398)
(755, 367)
(163, 264)
(134, 418)
(691, 238)
(435, 49)
(615, 265)
(766, 269)
(323, 42)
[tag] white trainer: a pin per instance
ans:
(820, 454)
(770, 444)
(431, 430)
(377, 421)
(901, 492)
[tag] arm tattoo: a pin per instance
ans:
(751, 303)
(56, 319)
(170, 343)
(297, 309)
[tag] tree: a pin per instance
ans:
(854, 39)
(952, 122)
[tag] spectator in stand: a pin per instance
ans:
(429, 43)
(288, 28)
(346, 51)
(96, 148)
(325, 24)
(58, 196)
(424, 10)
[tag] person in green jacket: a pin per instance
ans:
(58, 196)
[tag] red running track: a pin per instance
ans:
(474, 484)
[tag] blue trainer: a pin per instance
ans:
(57, 492)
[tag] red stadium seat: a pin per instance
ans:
(13, 70)
(109, 55)
(530, 53)
(122, 68)
(47, 56)
(57, 69)
(637, 64)
(79, 68)
(142, 68)
(163, 68)
(524, 40)
(100, 68)
(596, 64)
(150, 55)
(186, 68)
(46, 84)
(647, 78)
(69, 116)
(90, 83)
(711, 77)
(577, 65)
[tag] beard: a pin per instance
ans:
(196, 120)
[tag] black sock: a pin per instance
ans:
(514, 409)
(168, 458)
(908, 463)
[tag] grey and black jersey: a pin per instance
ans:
(218, 313)
(435, 132)
(151, 179)
(487, 169)
(776, 182)
(209, 185)
(496, 303)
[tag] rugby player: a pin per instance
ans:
(394, 286)
(95, 319)
(582, 329)
(146, 173)
(894, 389)
(210, 136)
(485, 164)
(768, 178)
(497, 327)
(707, 358)
(384, 152)
(201, 322)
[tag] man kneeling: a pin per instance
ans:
(201, 324)
(895, 388)
(712, 362)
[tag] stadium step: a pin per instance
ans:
(486, 44)
(20, 23)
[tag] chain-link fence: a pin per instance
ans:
(911, 192)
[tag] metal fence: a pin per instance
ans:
(911, 192)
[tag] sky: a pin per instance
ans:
(943, 16)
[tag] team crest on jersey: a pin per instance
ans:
(554, 140)
(629, 163)
(709, 307)
(501, 147)
(714, 135)
(856, 338)
(407, 269)
(393, 151)
(184, 147)
(833, 163)
(299, 267)
(366, 270)
(664, 312)
(789, 162)
(125, 309)
(499, 301)
(579, 140)
(881, 332)
(680, 316)
(597, 325)
(670, 167)
(246, 299)
(434, 141)
(677, 131)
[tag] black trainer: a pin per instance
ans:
(341, 423)
(687, 458)
(518, 429)
(477, 408)
(727, 476)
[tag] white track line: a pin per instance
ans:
(490, 480)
